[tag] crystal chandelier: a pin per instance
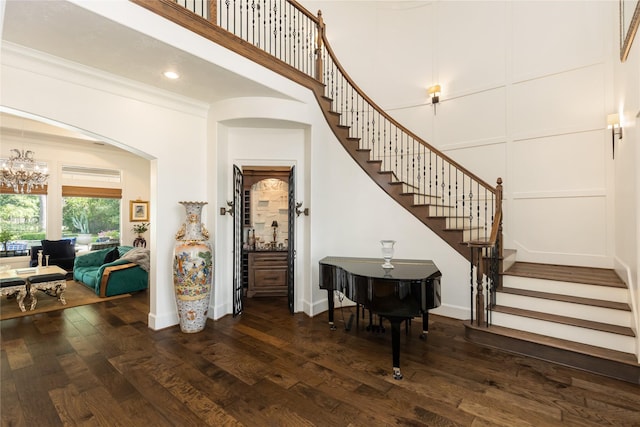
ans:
(22, 172)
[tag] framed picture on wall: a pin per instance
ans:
(629, 22)
(138, 210)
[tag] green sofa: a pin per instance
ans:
(107, 277)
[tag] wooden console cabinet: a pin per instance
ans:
(267, 273)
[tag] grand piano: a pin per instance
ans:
(408, 290)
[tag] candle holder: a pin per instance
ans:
(387, 252)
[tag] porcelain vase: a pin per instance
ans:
(192, 270)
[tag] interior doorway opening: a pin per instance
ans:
(264, 243)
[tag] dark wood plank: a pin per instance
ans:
(588, 275)
(101, 365)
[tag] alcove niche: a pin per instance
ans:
(266, 193)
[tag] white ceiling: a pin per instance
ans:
(68, 31)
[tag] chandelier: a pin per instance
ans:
(22, 172)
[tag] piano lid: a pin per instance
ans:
(404, 269)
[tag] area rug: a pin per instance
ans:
(76, 294)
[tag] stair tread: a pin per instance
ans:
(565, 273)
(600, 352)
(567, 298)
(565, 320)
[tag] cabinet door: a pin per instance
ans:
(267, 274)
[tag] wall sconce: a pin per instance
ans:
(305, 211)
(434, 93)
(613, 123)
(224, 211)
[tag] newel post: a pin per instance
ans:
(319, 42)
(500, 240)
(499, 191)
(480, 319)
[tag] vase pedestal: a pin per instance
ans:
(140, 242)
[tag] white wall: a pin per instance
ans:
(626, 101)
(525, 94)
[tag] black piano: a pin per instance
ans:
(408, 290)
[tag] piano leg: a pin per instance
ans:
(395, 345)
(332, 326)
(425, 325)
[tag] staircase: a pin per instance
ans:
(565, 317)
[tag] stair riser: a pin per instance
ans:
(605, 293)
(475, 234)
(422, 199)
(567, 332)
(407, 188)
(442, 211)
(462, 223)
(577, 311)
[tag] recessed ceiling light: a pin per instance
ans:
(171, 75)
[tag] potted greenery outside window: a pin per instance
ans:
(81, 223)
(5, 238)
(140, 229)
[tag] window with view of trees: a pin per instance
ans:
(22, 222)
(91, 214)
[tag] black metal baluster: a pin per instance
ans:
(464, 198)
(478, 210)
(395, 150)
(455, 209)
(279, 30)
(380, 141)
(449, 189)
(253, 22)
(443, 186)
(418, 169)
(240, 19)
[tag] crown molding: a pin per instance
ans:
(72, 72)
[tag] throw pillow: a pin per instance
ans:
(111, 256)
(58, 249)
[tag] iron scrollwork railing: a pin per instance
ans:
(288, 32)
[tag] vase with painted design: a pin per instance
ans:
(192, 270)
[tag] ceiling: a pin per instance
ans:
(68, 31)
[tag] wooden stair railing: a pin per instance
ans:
(286, 38)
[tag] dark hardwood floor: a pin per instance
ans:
(100, 365)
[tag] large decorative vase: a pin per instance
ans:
(192, 270)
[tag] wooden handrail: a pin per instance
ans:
(397, 124)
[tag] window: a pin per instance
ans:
(91, 214)
(22, 221)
